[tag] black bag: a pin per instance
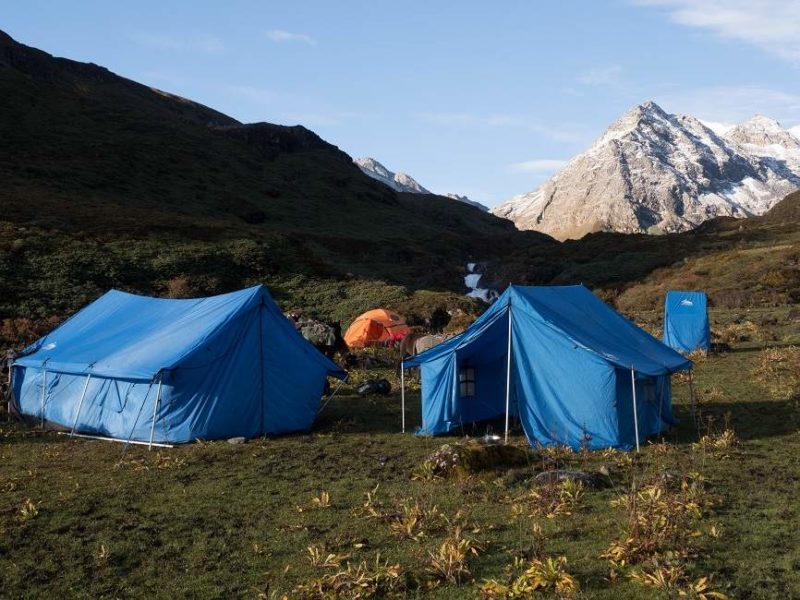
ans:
(384, 387)
(370, 386)
(375, 386)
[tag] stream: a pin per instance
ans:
(473, 280)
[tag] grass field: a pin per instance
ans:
(208, 520)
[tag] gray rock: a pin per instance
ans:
(236, 440)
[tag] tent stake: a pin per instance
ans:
(155, 411)
(80, 404)
(333, 393)
(635, 411)
(508, 375)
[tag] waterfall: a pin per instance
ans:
(472, 281)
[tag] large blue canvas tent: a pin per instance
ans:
(172, 371)
(686, 326)
(562, 361)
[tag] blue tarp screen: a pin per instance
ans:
(571, 363)
(686, 326)
(207, 368)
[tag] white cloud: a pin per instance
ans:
(205, 44)
(279, 37)
(288, 108)
(772, 25)
(448, 118)
(734, 103)
(610, 76)
(539, 165)
(566, 133)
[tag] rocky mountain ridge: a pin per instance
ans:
(401, 182)
(655, 172)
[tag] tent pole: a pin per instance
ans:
(403, 395)
(80, 404)
(155, 411)
(508, 375)
(44, 393)
(635, 411)
(10, 393)
(261, 427)
(136, 420)
(112, 439)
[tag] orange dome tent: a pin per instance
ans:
(375, 326)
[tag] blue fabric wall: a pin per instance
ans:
(110, 408)
(565, 392)
(245, 371)
(686, 326)
(571, 362)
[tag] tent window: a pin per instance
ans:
(466, 382)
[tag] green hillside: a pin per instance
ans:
(109, 183)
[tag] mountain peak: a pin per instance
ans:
(647, 110)
(638, 117)
(397, 181)
(760, 132)
(763, 122)
(402, 182)
(656, 172)
(649, 107)
(466, 200)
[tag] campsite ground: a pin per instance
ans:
(77, 518)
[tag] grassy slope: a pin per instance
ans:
(92, 160)
(751, 262)
(210, 520)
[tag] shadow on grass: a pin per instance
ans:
(750, 420)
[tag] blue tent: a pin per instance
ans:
(686, 327)
(132, 367)
(574, 365)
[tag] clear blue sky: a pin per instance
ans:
(479, 98)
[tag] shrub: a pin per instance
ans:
(778, 371)
(551, 500)
(735, 332)
(357, 582)
(663, 531)
(525, 578)
(449, 562)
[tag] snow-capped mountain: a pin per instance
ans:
(466, 200)
(656, 172)
(402, 182)
(397, 181)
